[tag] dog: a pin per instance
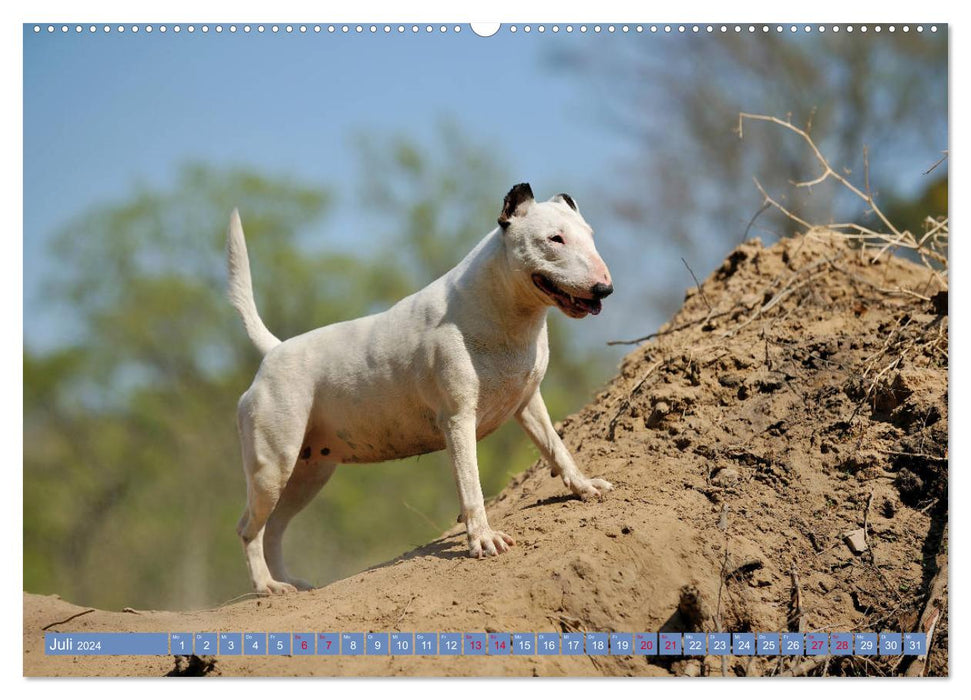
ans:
(440, 369)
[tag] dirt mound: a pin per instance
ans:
(802, 395)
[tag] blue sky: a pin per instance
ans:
(103, 112)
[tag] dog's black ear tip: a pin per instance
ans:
(568, 199)
(519, 195)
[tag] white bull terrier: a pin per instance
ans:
(442, 368)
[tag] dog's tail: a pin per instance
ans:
(241, 287)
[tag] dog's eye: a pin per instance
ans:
(557, 239)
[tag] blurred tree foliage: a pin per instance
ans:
(688, 180)
(132, 475)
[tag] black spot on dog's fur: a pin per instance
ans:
(325, 451)
(519, 194)
(305, 454)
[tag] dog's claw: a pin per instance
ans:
(591, 488)
(489, 543)
(275, 588)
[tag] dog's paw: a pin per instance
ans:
(272, 587)
(591, 488)
(489, 543)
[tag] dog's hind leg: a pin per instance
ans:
(262, 496)
(305, 482)
(270, 452)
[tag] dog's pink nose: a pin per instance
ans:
(602, 274)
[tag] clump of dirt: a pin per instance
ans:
(800, 395)
(193, 666)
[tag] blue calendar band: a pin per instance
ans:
(485, 644)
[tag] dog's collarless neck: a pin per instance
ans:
(501, 301)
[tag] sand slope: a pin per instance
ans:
(802, 395)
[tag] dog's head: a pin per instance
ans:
(551, 246)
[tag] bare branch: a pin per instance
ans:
(940, 160)
(932, 245)
(778, 206)
(827, 169)
(698, 286)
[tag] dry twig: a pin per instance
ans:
(698, 287)
(801, 669)
(936, 600)
(718, 608)
(932, 245)
(866, 522)
(67, 619)
(939, 161)
(787, 289)
(796, 618)
(625, 404)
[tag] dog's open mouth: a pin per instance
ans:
(575, 307)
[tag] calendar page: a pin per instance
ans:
(424, 348)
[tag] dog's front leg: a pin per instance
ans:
(459, 430)
(535, 420)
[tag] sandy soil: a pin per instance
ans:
(801, 395)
